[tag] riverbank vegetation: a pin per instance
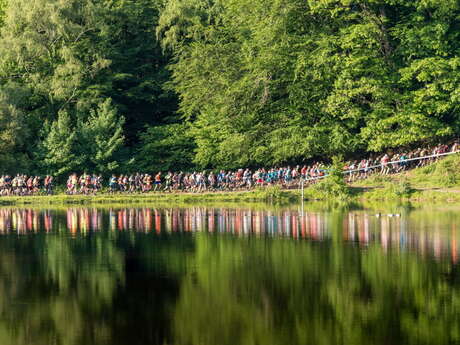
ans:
(266, 195)
(118, 86)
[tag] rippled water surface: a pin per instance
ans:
(229, 276)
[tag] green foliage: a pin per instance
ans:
(226, 84)
(60, 147)
(92, 144)
(274, 194)
(14, 128)
(333, 187)
(165, 148)
(374, 180)
(268, 83)
(271, 193)
(445, 173)
(396, 190)
(72, 55)
(102, 138)
(3, 4)
(402, 189)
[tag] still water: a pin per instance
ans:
(216, 276)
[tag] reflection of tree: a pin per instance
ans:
(424, 295)
(253, 291)
(92, 288)
(121, 287)
(155, 265)
(56, 293)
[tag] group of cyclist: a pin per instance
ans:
(241, 179)
(135, 183)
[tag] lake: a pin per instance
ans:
(216, 276)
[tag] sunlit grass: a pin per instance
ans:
(270, 194)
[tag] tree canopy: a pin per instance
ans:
(224, 84)
(293, 79)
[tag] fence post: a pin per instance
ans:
(302, 187)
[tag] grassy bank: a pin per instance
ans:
(438, 182)
(273, 194)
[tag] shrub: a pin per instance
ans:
(333, 186)
(402, 189)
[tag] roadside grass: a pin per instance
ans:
(266, 195)
(442, 174)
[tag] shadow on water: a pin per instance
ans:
(212, 275)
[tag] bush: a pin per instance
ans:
(331, 187)
(402, 189)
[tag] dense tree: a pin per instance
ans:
(102, 138)
(14, 131)
(72, 55)
(60, 146)
(138, 66)
(168, 147)
(235, 82)
(268, 83)
(93, 144)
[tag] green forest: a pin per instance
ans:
(146, 85)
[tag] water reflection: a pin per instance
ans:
(429, 235)
(228, 276)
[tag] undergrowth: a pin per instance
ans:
(401, 189)
(332, 187)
